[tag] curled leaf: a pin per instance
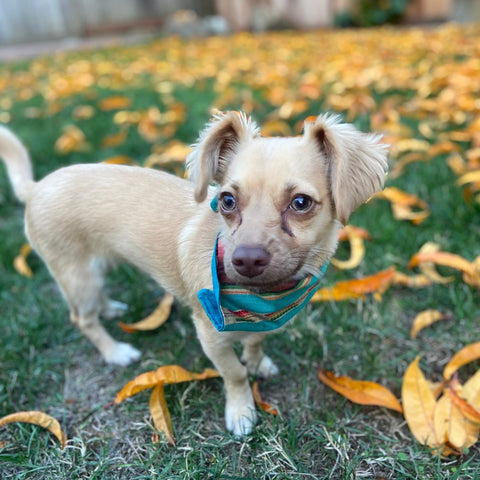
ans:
(360, 391)
(163, 375)
(157, 318)
(160, 413)
(465, 355)
(266, 407)
(357, 248)
(20, 261)
(403, 204)
(424, 319)
(37, 418)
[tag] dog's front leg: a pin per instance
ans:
(240, 414)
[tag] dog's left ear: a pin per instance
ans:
(215, 147)
(356, 163)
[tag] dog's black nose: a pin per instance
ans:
(250, 261)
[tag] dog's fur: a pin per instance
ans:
(82, 218)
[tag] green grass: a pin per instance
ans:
(47, 365)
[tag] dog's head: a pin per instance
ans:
(282, 200)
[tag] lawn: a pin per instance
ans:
(145, 103)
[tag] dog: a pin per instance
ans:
(258, 214)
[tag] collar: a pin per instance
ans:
(232, 307)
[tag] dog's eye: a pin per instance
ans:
(228, 202)
(301, 203)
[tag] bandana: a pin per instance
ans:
(232, 307)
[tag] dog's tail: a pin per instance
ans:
(17, 161)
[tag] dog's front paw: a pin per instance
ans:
(240, 419)
(122, 354)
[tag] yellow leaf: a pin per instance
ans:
(273, 128)
(446, 259)
(266, 407)
(465, 355)
(361, 391)
(119, 160)
(377, 283)
(414, 281)
(83, 112)
(357, 249)
(164, 376)
(175, 151)
(451, 426)
(160, 413)
(403, 204)
(115, 102)
(470, 177)
(428, 268)
(20, 261)
(37, 418)
(419, 405)
(72, 140)
(409, 145)
(471, 390)
(157, 318)
(114, 140)
(424, 319)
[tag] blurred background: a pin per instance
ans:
(74, 22)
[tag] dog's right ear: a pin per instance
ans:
(215, 148)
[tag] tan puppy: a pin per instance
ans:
(281, 202)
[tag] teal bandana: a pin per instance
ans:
(232, 307)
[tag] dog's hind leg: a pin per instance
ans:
(255, 359)
(82, 286)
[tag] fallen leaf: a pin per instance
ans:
(72, 140)
(424, 319)
(465, 355)
(114, 140)
(357, 249)
(175, 151)
(446, 259)
(160, 413)
(119, 160)
(266, 407)
(403, 203)
(359, 287)
(469, 411)
(451, 426)
(115, 102)
(361, 391)
(419, 405)
(273, 128)
(157, 318)
(165, 375)
(20, 261)
(428, 268)
(411, 281)
(37, 418)
(409, 145)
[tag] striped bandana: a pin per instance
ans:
(232, 307)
